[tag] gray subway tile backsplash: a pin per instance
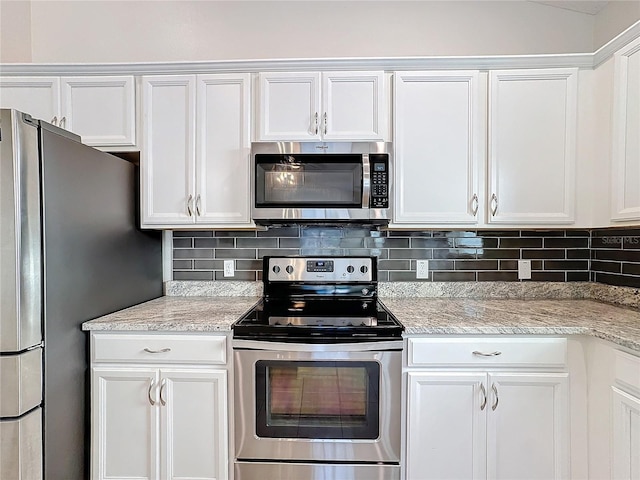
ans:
(603, 255)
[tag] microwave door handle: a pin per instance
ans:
(366, 180)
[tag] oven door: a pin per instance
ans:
(321, 403)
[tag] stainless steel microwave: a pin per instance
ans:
(321, 182)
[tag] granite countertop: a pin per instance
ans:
(419, 316)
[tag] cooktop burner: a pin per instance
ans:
(319, 300)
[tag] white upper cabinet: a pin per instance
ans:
(439, 142)
(101, 109)
(322, 106)
(625, 198)
(195, 159)
(532, 137)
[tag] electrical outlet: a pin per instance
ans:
(229, 268)
(524, 269)
(422, 269)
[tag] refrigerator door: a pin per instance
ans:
(21, 381)
(21, 447)
(20, 235)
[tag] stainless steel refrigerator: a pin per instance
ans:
(70, 251)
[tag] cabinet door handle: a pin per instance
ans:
(151, 385)
(189, 205)
(162, 350)
(495, 392)
(315, 123)
(325, 122)
(486, 354)
(54, 121)
(484, 396)
(474, 204)
(494, 204)
(198, 205)
(162, 385)
(63, 122)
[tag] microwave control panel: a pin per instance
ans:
(379, 180)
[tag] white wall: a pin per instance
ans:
(15, 31)
(616, 17)
(139, 31)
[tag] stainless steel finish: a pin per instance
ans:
(366, 180)
(21, 447)
(364, 213)
(299, 273)
(342, 348)
(21, 380)
(314, 471)
(326, 321)
(495, 392)
(494, 204)
(484, 397)
(474, 204)
(198, 205)
(190, 205)
(487, 354)
(325, 122)
(315, 123)
(163, 385)
(162, 350)
(151, 385)
(384, 449)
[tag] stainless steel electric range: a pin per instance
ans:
(318, 366)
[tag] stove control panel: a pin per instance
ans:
(329, 269)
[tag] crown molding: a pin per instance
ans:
(606, 51)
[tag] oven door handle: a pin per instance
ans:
(361, 346)
(366, 180)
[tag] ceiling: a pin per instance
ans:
(592, 7)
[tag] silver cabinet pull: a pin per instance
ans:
(315, 122)
(495, 392)
(54, 121)
(63, 122)
(484, 397)
(325, 122)
(494, 204)
(198, 205)
(474, 204)
(162, 350)
(189, 205)
(485, 354)
(151, 385)
(162, 385)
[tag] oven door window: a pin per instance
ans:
(317, 399)
(308, 181)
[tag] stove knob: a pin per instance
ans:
(364, 269)
(289, 269)
(276, 269)
(365, 291)
(350, 269)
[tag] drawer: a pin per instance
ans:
(159, 348)
(487, 352)
(627, 369)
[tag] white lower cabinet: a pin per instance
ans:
(159, 421)
(506, 424)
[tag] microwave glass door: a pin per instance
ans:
(308, 180)
(317, 399)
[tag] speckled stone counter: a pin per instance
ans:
(518, 317)
(177, 314)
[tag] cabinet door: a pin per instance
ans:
(626, 435)
(124, 423)
(100, 109)
(222, 160)
(289, 107)
(37, 96)
(354, 106)
(625, 196)
(446, 426)
(194, 422)
(168, 150)
(532, 136)
(527, 427)
(439, 147)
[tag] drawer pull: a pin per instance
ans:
(162, 385)
(495, 392)
(484, 397)
(483, 354)
(151, 400)
(162, 350)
